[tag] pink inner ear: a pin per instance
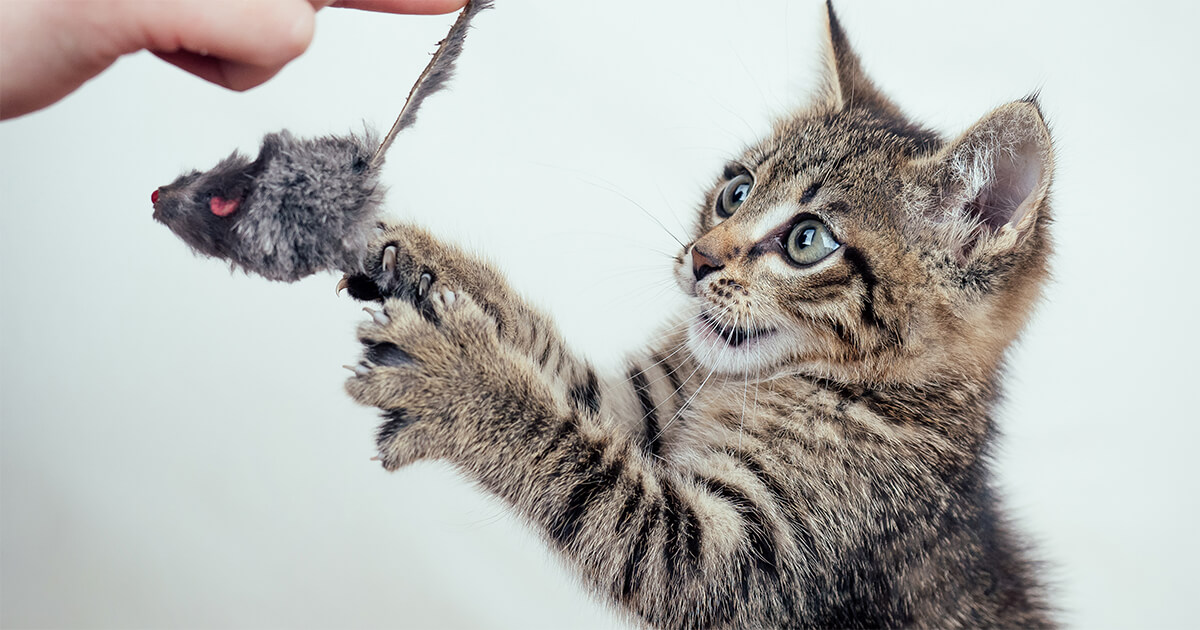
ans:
(223, 207)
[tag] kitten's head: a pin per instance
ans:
(853, 244)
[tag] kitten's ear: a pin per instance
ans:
(990, 185)
(845, 84)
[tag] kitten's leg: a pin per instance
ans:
(679, 547)
(406, 262)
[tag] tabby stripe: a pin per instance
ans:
(672, 378)
(672, 513)
(637, 553)
(810, 192)
(691, 533)
(631, 503)
(546, 353)
(493, 311)
(584, 494)
(870, 282)
(587, 393)
(558, 363)
(396, 421)
(826, 281)
(781, 497)
(846, 336)
(762, 544)
(567, 428)
(642, 389)
(680, 521)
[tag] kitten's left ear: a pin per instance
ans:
(990, 185)
(845, 85)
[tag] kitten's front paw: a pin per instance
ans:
(427, 365)
(400, 263)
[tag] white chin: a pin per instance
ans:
(717, 354)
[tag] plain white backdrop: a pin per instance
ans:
(175, 446)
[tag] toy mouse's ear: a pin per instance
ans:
(272, 145)
(844, 83)
(223, 207)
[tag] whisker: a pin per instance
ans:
(688, 402)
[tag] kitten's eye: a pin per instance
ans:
(810, 241)
(734, 194)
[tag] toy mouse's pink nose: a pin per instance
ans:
(154, 196)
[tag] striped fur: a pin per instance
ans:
(826, 467)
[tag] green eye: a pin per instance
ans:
(734, 194)
(810, 241)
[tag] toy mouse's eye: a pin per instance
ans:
(359, 165)
(734, 194)
(809, 242)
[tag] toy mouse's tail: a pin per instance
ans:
(435, 75)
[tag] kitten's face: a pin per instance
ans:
(815, 251)
(777, 267)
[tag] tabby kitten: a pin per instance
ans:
(808, 447)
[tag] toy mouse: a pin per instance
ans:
(302, 205)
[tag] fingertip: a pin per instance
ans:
(415, 7)
(301, 34)
(240, 77)
(232, 75)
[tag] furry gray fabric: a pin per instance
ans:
(303, 205)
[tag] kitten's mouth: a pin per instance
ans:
(732, 336)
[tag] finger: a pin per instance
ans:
(230, 74)
(418, 7)
(235, 44)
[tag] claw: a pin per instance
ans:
(342, 284)
(380, 318)
(423, 286)
(389, 258)
(359, 370)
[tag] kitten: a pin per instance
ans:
(808, 446)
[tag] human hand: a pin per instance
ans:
(48, 48)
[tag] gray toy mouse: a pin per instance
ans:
(303, 205)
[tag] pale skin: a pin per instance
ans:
(48, 48)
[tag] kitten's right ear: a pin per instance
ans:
(990, 185)
(844, 83)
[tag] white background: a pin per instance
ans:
(176, 449)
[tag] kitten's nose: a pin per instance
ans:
(703, 264)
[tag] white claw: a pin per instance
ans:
(389, 258)
(342, 284)
(423, 285)
(448, 297)
(351, 368)
(380, 318)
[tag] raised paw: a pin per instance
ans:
(421, 365)
(402, 262)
